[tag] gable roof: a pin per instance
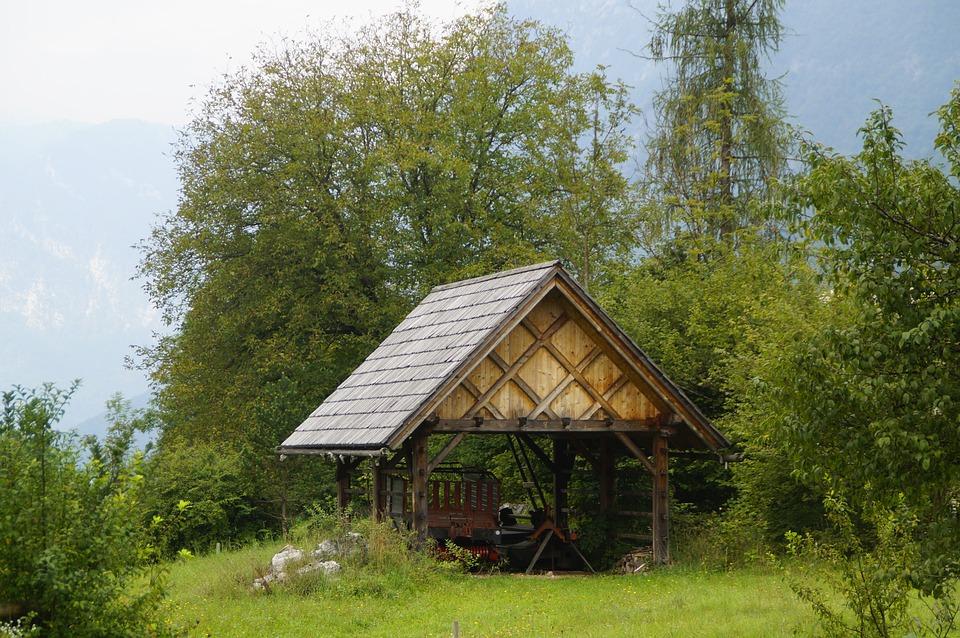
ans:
(393, 390)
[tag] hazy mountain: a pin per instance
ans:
(99, 423)
(837, 58)
(75, 198)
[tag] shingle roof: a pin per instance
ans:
(413, 362)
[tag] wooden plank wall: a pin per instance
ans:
(542, 375)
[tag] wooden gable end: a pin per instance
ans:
(552, 366)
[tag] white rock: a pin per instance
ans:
(328, 567)
(288, 554)
(264, 581)
(326, 549)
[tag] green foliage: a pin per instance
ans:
(195, 497)
(872, 576)
(20, 628)
(72, 548)
(717, 328)
(869, 409)
(460, 557)
(864, 408)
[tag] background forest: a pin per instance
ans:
(806, 300)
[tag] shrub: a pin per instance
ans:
(72, 550)
(868, 560)
(194, 497)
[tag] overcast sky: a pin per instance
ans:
(97, 60)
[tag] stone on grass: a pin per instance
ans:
(289, 554)
(265, 581)
(637, 561)
(328, 567)
(326, 549)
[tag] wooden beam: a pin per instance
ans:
(566, 381)
(445, 452)
(470, 387)
(545, 426)
(608, 395)
(639, 454)
(344, 469)
(536, 556)
(562, 469)
(376, 487)
(538, 451)
(419, 477)
(544, 403)
(597, 331)
(647, 375)
(523, 385)
(395, 461)
(572, 369)
(513, 368)
(661, 503)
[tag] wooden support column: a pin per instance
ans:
(343, 483)
(661, 504)
(377, 487)
(562, 468)
(419, 476)
(606, 475)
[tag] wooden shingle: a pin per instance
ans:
(414, 360)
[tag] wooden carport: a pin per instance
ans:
(526, 353)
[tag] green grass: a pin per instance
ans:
(211, 594)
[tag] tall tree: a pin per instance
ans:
(592, 198)
(719, 140)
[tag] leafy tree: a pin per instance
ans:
(719, 140)
(195, 497)
(326, 188)
(598, 218)
(73, 551)
(869, 408)
(716, 327)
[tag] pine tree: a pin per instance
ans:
(720, 139)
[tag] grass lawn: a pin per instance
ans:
(212, 595)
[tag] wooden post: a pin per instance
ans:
(419, 476)
(343, 483)
(561, 477)
(606, 475)
(377, 487)
(661, 504)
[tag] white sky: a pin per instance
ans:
(97, 60)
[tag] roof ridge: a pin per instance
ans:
(497, 275)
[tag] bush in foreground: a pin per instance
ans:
(73, 557)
